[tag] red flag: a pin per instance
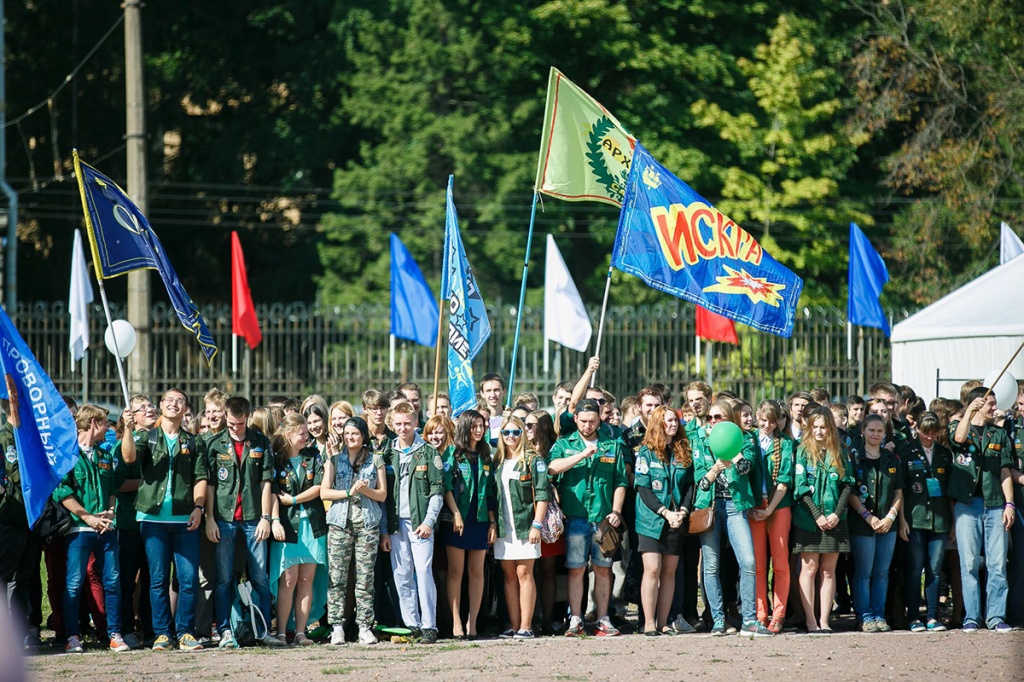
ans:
(243, 312)
(713, 327)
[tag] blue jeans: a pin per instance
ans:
(872, 555)
(162, 541)
(255, 567)
(926, 550)
(976, 525)
(80, 546)
(730, 520)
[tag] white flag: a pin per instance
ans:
(79, 300)
(1010, 245)
(565, 318)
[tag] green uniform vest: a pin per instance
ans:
(92, 481)
(531, 487)
(922, 511)
(875, 486)
(822, 483)
(779, 470)
(426, 479)
(741, 486)
(983, 455)
(12, 500)
(154, 460)
(459, 481)
(230, 478)
(295, 481)
(666, 481)
(586, 490)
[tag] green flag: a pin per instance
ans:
(584, 151)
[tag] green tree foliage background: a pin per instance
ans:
(315, 128)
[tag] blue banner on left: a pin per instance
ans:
(45, 436)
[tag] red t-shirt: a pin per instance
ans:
(239, 446)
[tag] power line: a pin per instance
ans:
(68, 78)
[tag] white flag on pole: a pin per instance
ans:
(1010, 245)
(565, 317)
(79, 300)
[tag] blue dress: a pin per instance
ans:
(474, 533)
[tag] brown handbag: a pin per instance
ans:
(701, 520)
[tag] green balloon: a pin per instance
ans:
(725, 440)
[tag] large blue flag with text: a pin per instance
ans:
(867, 275)
(122, 241)
(675, 241)
(45, 435)
(468, 326)
(413, 308)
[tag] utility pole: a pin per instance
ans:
(10, 261)
(139, 373)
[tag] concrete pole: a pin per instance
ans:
(135, 137)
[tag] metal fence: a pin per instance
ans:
(340, 351)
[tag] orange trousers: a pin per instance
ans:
(771, 538)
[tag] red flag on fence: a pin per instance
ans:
(243, 312)
(713, 327)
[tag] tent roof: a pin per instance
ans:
(983, 307)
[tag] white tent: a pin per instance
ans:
(965, 335)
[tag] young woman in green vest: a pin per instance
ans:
(925, 521)
(770, 521)
(876, 499)
(663, 478)
(522, 490)
(469, 496)
(822, 490)
(299, 525)
(729, 486)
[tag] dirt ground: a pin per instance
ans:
(841, 656)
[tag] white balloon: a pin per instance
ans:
(125, 334)
(1004, 391)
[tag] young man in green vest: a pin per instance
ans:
(415, 488)
(88, 492)
(981, 492)
(169, 510)
(239, 503)
(592, 482)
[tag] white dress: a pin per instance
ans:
(509, 547)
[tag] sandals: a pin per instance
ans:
(302, 640)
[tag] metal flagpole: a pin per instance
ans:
(600, 328)
(234, 355)
(522, 300)
(391, 354)
(117, 353)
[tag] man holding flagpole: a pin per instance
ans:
(89, 493)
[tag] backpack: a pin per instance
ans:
(54, 523)
(246, 620)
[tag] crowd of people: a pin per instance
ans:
(904, 514)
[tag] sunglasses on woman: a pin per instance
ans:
(716, 417)
(512, 432)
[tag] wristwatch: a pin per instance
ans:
(265, 517)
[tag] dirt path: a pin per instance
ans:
(842, 656)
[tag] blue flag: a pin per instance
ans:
(675, 241)
(122, 241)
(413, 308)
(468, 326)
(45, 435)
(867, 275)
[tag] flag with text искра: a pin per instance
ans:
(675, 241)
(468, 326)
